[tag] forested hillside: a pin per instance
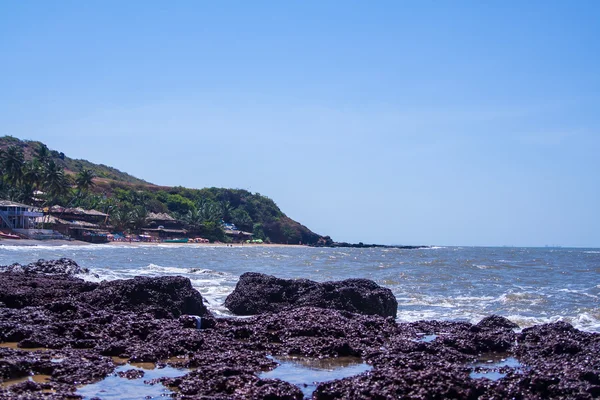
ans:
(32, 173)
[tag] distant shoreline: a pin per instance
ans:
(373, 246)
(57, 242)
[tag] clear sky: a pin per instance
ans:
(397, 122)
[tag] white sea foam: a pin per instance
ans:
(568, 290)
(419, 315)
(481, 266)
(214, 291)
(583, 321)
(433, 301)
(521, 297)
(474, 298)
(159, 269)
(206, 271)
(101, 274)
(587, 322)
(579, 292)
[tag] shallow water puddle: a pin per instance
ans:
(37, 378)
(117, 388)
(425, 338)
(15, 346)
(490, 366)
(307, 373)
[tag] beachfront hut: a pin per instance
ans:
(17, 216)
(78, 214)
(88, 234)
(164, 220)
(79, 230)
(165, 233)
(237, 235)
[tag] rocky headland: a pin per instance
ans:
(326, 241)
(63, 332)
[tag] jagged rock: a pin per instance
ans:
(131, 374)
(163, 297)
(64, 266)
(496, 322)
(257, 293)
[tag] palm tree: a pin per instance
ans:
(33, 173)
(56, 183)
(210, 211)
(121, 218)
(194, 219)
(138, 217)
(31, 179)
(226, 210)
(12, 164)
(42, 153)
(85, 180)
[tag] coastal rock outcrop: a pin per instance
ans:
(257, 293)
(18, 290)
(163, 297)
(496, 322)
(63, 266)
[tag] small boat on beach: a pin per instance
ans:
(4, 235)
(184, 240)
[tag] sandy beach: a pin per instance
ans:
(31, 242)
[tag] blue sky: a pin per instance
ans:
(429, 122)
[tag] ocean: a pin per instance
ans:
(529, 286)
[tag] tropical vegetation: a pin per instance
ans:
(31, 173)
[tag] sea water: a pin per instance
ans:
(527, 285)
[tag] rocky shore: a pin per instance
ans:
(326, 241)
(63, 333)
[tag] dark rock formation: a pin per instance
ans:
(19, 290)
(64, 266)
(326, 241)
(361, 245)
(496, 322)
(259, 293)
(163, 297)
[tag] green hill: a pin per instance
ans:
(71, 165)
(129, 200)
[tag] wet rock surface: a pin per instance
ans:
(257, 293)
(55, 330)
(131, 374)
